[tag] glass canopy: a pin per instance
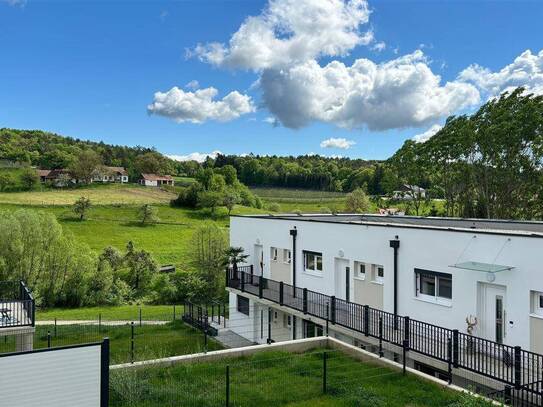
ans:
(478, 266)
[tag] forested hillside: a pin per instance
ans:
(49, 150)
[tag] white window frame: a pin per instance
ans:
(274, 254)
(287, 257)
(436, 298)
(537, 299)
(357, 273)
(316, 257)
(376, 278)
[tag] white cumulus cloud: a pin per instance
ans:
(341, 143)
(526, 70)
(193, 85)
(423, 137)
(200, 157)
(291, 31)
(200, 105)
(403, 92)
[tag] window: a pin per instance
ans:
(274, 253)
(378, 274)
(243, 305)
(433, 286)
(287, 321)
(359, 270)
(286, 256)
(537, 303)
(312, 261)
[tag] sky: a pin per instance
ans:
(350, 78)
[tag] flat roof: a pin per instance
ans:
(493, 226)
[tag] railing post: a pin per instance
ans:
(381, 353)
(281, 289)
(324, 372)
(304, 300)
(205, 332)
(48, 339)
(449, 359)
(507, 395)
(33, 313)
(260, 286)
(327, 316)
(269, 340)
(407, 331)
(227, 385)
(456, 348)
(252, 273)
(333, 309)
(518, 364)
(242, 277)
(366, 320)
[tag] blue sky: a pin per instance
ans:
(89, 70)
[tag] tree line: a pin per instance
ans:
(484, 165)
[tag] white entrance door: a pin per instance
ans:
(492, 313)
(342, 279)
(259, 260)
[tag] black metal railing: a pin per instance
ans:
(17, 305)
(515, 367)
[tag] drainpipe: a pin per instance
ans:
(294, 233)
(395, 244)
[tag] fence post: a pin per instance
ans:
(174, 312)
(366, 320)
(281, 295)
(333, 309)
(449, 359)
(507, 395)
(404, 354)
(227, 385)
(140, 316)
(48, 339)
(517, 367)
(327, 316)
(132, 342)
(407, 330)
(324, 371)
(304, 300)
(381, 353)
(455, 348)
(55, 327)
(205, 331)
(269, 326)
(260, 286)
(104, 374)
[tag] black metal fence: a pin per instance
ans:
(521, 371)
(17, 306)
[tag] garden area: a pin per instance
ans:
(280, 379)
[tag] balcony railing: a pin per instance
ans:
(518, 368)
(17, 306)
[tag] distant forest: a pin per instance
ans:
(486, 165)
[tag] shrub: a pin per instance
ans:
(274, 207)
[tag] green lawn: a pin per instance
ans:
(113, 313)
(278, 379)
(150, 341)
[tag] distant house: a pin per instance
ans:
(153, 180)
(408, 192)
(43, 174)
(110, 174)
(60, 177)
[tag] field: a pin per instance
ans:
(278, 379)
(115, 194)
(305, 201)
(113, 313)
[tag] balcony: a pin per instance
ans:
(17, 306)
(514, 367)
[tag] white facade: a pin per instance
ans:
(507, 304)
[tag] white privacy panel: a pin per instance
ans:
(52, 378)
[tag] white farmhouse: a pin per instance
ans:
(472, 277)
(154, 180)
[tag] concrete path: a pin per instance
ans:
(232, 340)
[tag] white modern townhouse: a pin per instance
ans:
(453, 289)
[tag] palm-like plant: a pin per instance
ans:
(233, 256)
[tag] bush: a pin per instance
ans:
(274, 207)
